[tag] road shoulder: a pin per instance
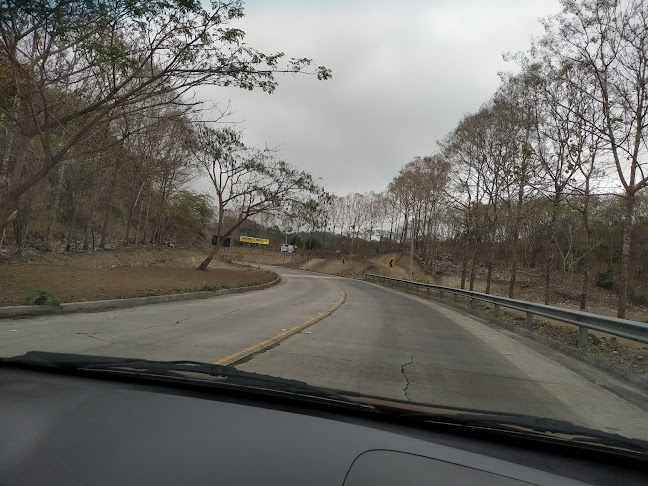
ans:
(550, 368)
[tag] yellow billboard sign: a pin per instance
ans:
(260, 241)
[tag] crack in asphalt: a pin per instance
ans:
(236, 310)
(304, 302)
(407, 383)
(318, 356)
(91, 335)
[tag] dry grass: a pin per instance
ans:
(114, 275)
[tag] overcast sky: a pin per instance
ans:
(404, 73)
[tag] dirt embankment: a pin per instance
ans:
(356, 266)
(119, 274)
(566, 291)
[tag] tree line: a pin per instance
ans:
(102, 131)
(549, 174)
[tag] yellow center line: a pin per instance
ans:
(311, 276)
(284, 334)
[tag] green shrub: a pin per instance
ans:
(605, 279)
(41, 297)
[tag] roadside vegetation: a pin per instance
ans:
(545, 181)
(102, 129)
(540, 193)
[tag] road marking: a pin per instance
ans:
(283, 335)
(310, 276)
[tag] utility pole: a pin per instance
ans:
(411, 273)
(284, 253)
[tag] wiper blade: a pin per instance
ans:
(184, 370)
(529, 425)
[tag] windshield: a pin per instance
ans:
(441, 203)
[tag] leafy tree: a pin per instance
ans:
(247, 182)
(189, 213)
(69, 66)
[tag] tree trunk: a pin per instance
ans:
(473, 267)
(72, 228)
(146, 217)
(4, 164)
(464, 264)
(491, 263)
(160, 220)
(550, 249)
(624, 276)
(111, 195)
(88, 227)
(10, 200)
(24, 237)
(514, 265)
(139, 221)
(585, 286)
(219, 230)
(131, 211)
(212, 254)
(516, 235)
(54, 209)
(547, 277)
(86, 235)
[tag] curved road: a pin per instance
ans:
(379, 341)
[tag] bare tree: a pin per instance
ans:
(246, 181)
(73, 65)
(609, 41)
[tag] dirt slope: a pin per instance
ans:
(119, 274)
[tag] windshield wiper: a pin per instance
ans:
(184, 371)
(540, 427)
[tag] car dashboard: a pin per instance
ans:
(56, 428)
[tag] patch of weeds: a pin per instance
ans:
(209, 287)
(41, 297)
(226, 286)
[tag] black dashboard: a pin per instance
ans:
(62, 429)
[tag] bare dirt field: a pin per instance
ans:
(114, 275)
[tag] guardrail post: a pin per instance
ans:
(472, 302)
(529, 319)
(427, 291)
(582, 336)
(497, 310)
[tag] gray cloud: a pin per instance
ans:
(403, 75)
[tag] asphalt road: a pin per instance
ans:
(378, 342)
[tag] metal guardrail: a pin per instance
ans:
(636, 331)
